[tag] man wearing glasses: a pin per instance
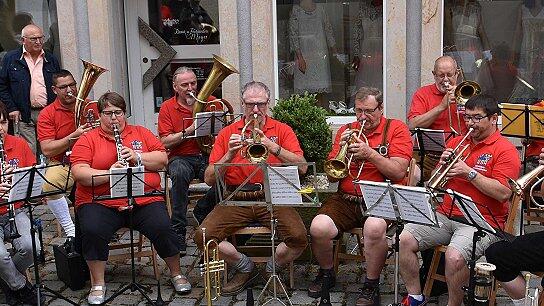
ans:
(223, 221)
(384, 155)
(26, 80)
(491, 160)
(57, 133)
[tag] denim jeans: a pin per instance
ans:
(182, 170)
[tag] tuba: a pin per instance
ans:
(211, 269)
(339, 166)
(255, 152)
(220, 70)
(91, 72)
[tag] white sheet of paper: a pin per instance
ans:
(472, 210)
(20, 181)
(281, 191)
(433, 140)
(378, 204)
(118, 181)
(412, 198)
(203, 123)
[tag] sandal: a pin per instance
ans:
(179, 285)
(97, 299)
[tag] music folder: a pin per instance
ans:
(118, 181)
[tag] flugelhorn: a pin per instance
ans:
(339, 166)
(91, 72)
(438, 179)
(211, 269)
(255, 152)
(13, 232)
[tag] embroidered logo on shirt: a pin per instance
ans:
(274, 139)
(14, 163)
(482, 161)
(136, 145)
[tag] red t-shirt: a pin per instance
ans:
(399, 144)
(56, 122)
(173, 118)
(18, 155)
(97, 149)
(495, 158)
(276, 131)
(427, 98)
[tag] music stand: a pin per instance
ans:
(129, 183)
(27, 185)
(281, 186)
(400, 204)
(474, 218)
(426, 141)
(210, 123)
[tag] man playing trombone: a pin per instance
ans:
(490, 159)
(381, 152)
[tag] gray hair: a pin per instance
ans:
(364, 92)
(180, 70)
(256, 85)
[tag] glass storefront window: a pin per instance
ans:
(15, 15)
(185, 22)
(498, 44)
(329, 48)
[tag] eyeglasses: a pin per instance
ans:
(63, 87)
(117, 113)
(475, 119)
(260, 105)
(367, 112)
(35, 39)
(444, 75)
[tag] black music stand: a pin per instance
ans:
(27, 185)
(402, 205)
(206, 124)
(279, 186)
(426, 141)
(133, 174)
(474, 218)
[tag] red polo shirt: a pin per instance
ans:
(276, 131)
(56, 122)
(495, 158)
(399, 145)
(173, 118)
(427, 98)
(18, 155)
(97, 149)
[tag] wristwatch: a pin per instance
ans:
(472, 175)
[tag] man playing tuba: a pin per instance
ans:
(483, 176)
(385, 155)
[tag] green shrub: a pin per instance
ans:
(309, 123)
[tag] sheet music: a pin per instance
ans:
(415, 205)
(204, 120)
(469, 210)
(378, 204)
(118, 181)
(20, 181)
(281, 191)
(432, 140)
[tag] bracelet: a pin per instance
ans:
(278, 151)
(182, 135)
(138, 159)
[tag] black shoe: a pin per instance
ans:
(314, 290)
(8, 293)
(370, 295)
(199, 215)
(28, 295)
(69, 245)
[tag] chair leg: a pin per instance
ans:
(154, 260)
(291, 275)
(493, 293)
(432, 272)
(140, 245)
(361, 246)
(336, 251)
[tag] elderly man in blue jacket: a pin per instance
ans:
(26, 78)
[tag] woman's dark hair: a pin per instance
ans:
(112, 98)
(3, 111)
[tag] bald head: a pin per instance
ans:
(32, 37)
(445, 60)
(445, 73)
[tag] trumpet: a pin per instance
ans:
(118, 145)
(438, 179)
(13, 232)
(211, 269)
(339, 167)
(255, 152)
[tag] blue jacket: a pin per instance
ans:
(15, 81)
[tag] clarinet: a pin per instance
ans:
(118, 145)
(13, 231)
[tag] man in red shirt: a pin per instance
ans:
(223, 221)
(16, 154)
(386, 156)
(429, 107)
(57, 133)
(93, 157)
(186, 161)
(483, 176)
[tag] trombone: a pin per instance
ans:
(211, 269)
(463, 91)
(340, 166)
(255, 152)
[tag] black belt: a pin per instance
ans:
(248, 192)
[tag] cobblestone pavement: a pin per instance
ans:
(345, 292)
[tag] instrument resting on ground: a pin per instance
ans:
(211, 269)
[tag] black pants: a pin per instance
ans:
(525, 253)
(99, 223)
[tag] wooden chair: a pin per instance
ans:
(412, 177)
(433, 276)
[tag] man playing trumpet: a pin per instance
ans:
(282, 144)
(384, 156)
(483, 176)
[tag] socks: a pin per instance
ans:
(59, 208)
(418, 297)
(372, 282)
(520, 302)
(245, 265)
